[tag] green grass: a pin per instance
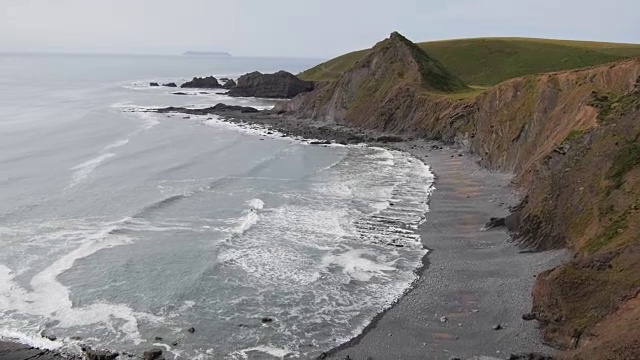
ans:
(574, 134)
(625, 161)
(489, 61)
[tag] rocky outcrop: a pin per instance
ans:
(208, 82)
(217, 109)
(386, 88)
(154, 84)
(229, 84)
(281, 85)
(171, 84)
(571, 138)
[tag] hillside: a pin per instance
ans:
(572, 140)
(489, 61)
(391, 75)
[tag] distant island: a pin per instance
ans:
(206, 53)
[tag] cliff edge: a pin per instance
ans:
(572, 140)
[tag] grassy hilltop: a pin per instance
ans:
(489, 61)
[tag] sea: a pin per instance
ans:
(124, 229)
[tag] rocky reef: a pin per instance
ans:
(208, 82)
(280, 85)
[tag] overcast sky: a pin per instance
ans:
(298, 28)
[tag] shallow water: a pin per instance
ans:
(120, 226)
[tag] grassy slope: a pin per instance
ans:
(489, 61)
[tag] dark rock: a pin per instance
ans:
(175, 343)
(322, 356)
(171, 84)
(158, 338)
(191, 330)
(529, 317)
(218, 109)
(229, 84)
(202, 83)
(267, 320)
(100, 354)
(530, 356)
(280, 85)
(497, 327)
(243, 109)
(179, 93)
(154, 84)
(48, 336)
(224, 79)
(152, 354)
(495, 222)
(320, 142)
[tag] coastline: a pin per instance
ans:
(412, 327)
(473, 280)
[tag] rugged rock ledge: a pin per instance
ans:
(280, 85)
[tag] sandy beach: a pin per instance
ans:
(473, 279)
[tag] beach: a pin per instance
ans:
(471, 280)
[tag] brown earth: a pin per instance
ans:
(572, 140)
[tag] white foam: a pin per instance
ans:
(357, 267)
(82, 171)
(49, 299)
(246, 222)
(265, 349)
(256, 204)
(33, 341)
(116, 144)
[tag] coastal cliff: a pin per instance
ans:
(572, 141)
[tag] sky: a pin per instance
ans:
(297, 28)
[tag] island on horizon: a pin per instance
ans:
(206, 53)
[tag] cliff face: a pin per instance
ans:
(572, 140)
(382, 90)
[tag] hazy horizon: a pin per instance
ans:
(287, 28)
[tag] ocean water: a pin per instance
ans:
(121, 228)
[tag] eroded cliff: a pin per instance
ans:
(571, 138)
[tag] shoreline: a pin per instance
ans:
(369, 343)
(493, 281)
(462, 292)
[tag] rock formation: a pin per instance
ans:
(281, 85)
(208, 82)
(229, 84)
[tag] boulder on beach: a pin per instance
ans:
(152, 354)
(281, 85)
(171, 84)
(208, 82)
(154, 84)
(229, 84)
(100, 354)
